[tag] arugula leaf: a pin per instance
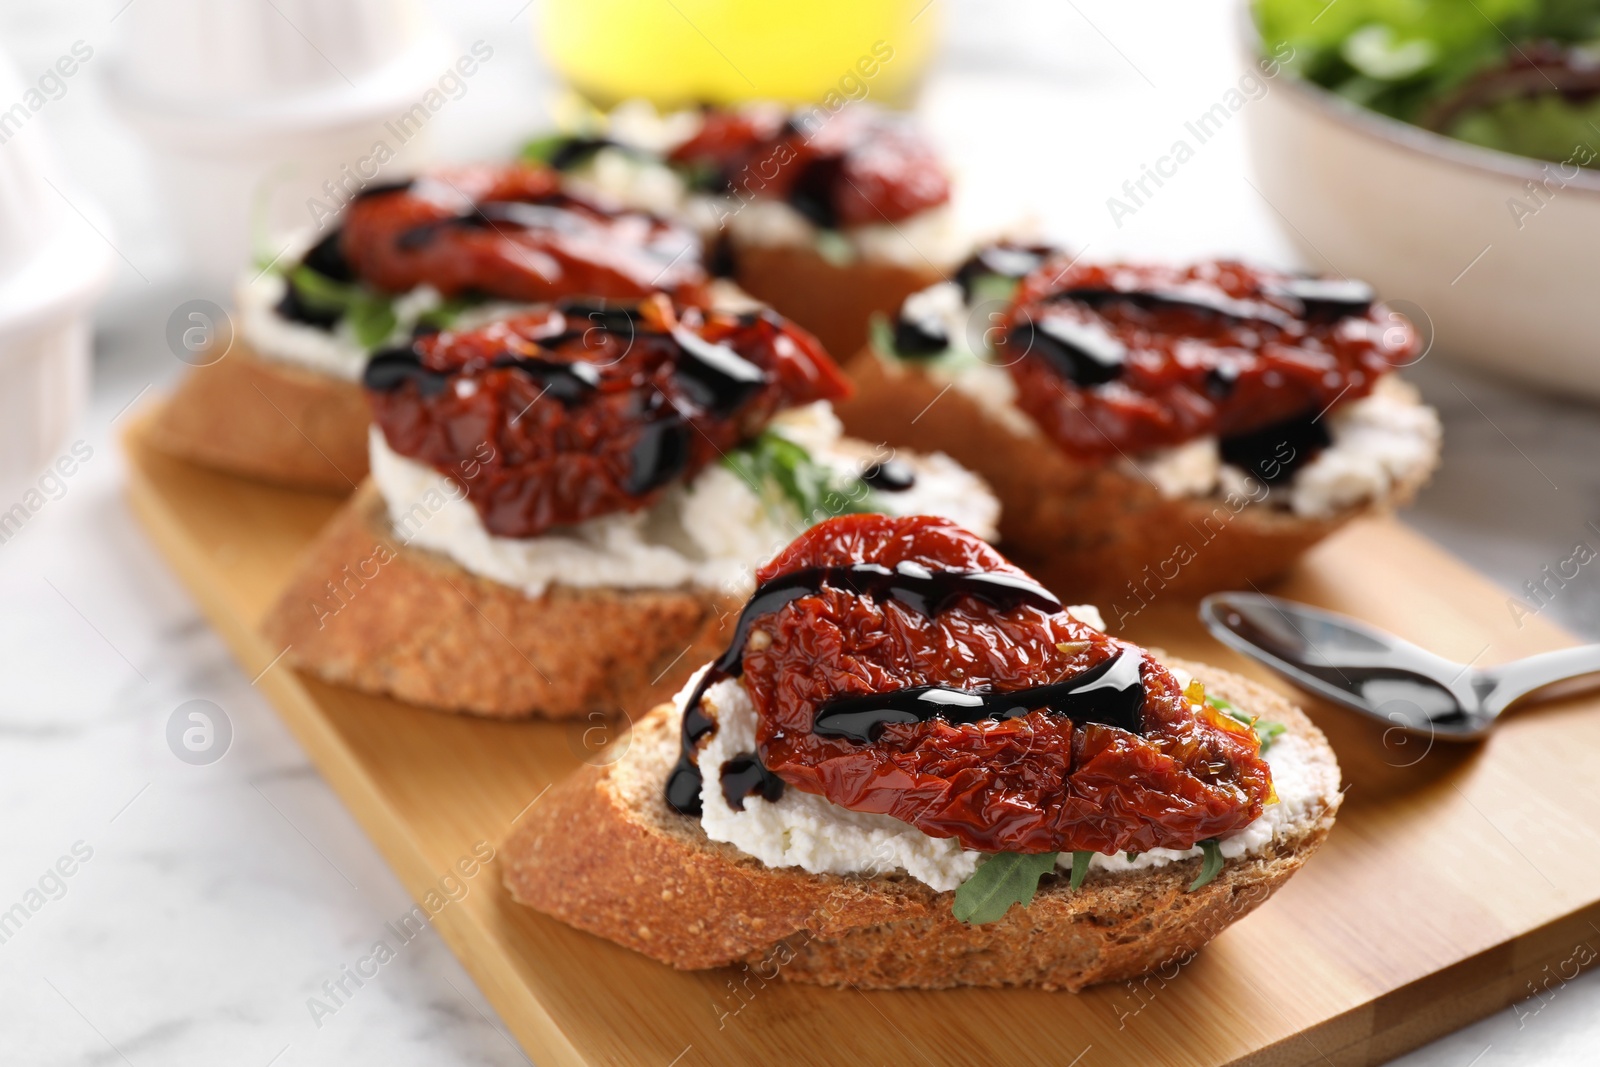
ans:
(370, 314)
(993, 287)
(1266, 732)
(835, 247)
(543, 149)
(320, 291)
(815, 489)
(1211, 866)
(1001, 880)
(372, 319)
(881, 334)
(1080, 868)
(445, 315)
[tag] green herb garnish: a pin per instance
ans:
(881, 334)
(445, 315)
(543, 149)
(1080, 867)
(835, 248)
(1266, 732)
(1212, 865)
(986, 287)
(816, 490)
(371, 315)
(1001, 880)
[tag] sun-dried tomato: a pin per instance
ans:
(1035, 783)
(509, 231)
(560, 415)
(854, 167)
(1124, 358)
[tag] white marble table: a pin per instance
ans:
(216, 899)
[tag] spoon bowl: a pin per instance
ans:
(1382, 676)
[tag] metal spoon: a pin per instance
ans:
(1377, 673)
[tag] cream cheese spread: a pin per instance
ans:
(712, 532)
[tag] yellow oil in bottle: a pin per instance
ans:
(676, 53)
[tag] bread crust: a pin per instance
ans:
(365, 611)
(835, 302)
(268, 420)
(1090, 532)
(603, 852)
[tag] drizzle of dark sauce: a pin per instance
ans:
(890, 476)
(659, 455)
(1084, 353)
(812, 192)
(1328, 298)
(391, 368)
(327, 259)
(716, 377)
(919, 335)
(574, 151)
(383, 188)
(744, 776)
(910, 585)
(1196, 298)
(1110, 693)
(1274, 453)
(1010, 262)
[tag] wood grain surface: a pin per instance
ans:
(1457, 880)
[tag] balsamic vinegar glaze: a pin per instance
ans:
(744, 776)
(1111, 692)
(1088, 354)
(1274, 453)
(889, 476)
(391, 368)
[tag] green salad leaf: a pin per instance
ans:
(1210, 865)
(1080, 868)
(1001, 880)
(370, 314)
(542, 149)
(445, 315)
(881, 334)
(816, 490)
(1446, 64)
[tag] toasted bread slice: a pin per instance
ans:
(366, 611)
(603, 852)
(268, 420)
(835, 302)
(1089, 531)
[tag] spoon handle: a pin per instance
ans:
(1518, 678)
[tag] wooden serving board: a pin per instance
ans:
(1454, 878)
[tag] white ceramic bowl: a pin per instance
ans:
(252, 106)
(1430, 220)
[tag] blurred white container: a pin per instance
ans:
(53, 266)
(1434, 222)
(251, 106)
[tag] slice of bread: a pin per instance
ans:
(268, 420)
(1089, 531)
(603, 852)
(835, 302)
(365, 611)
